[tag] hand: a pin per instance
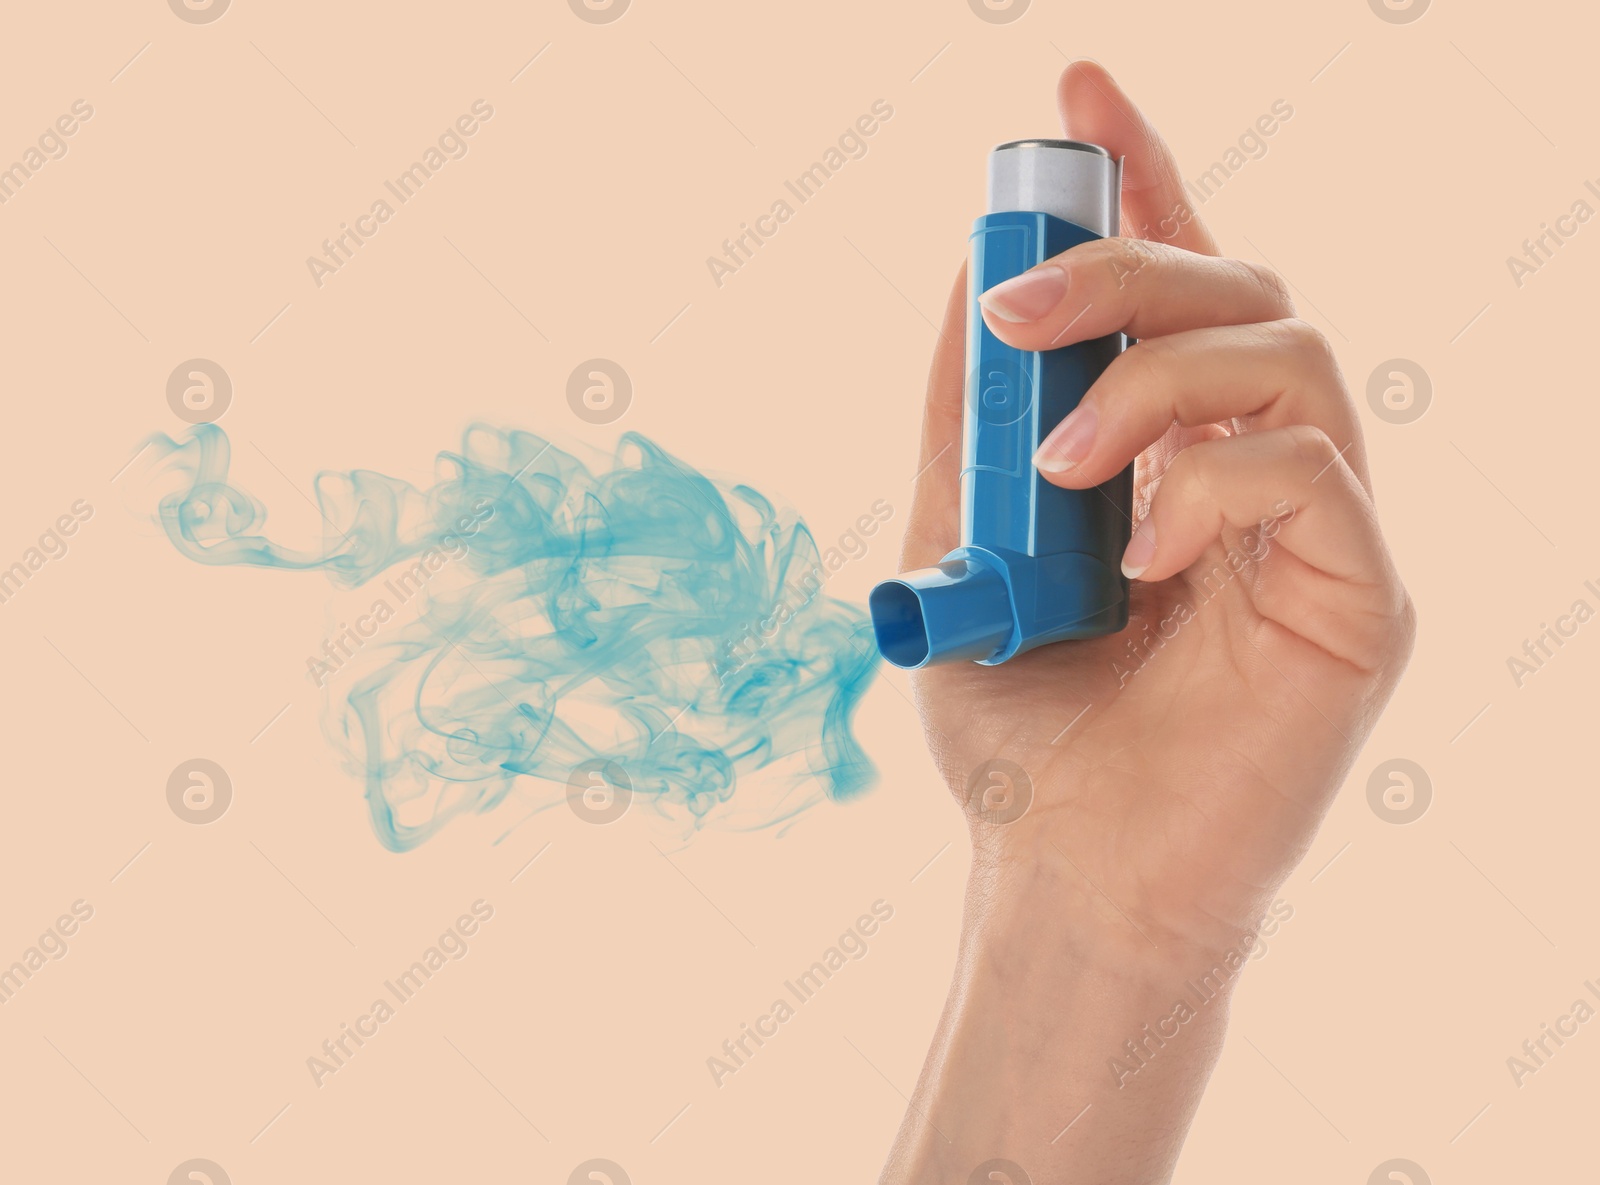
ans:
(1178, 770)
(1181, 766)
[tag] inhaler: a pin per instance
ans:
(1037, 564)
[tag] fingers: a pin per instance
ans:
(1143, 289)
(1271, 375)
(1169, 284)
(1287, 489)
(1154, 204)
(934, 523)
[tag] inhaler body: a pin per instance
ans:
(1037, 564)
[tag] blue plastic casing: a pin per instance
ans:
(1037, 563)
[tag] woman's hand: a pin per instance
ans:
(1177, 771)
(1182, 765)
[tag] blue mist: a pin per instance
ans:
(545, 615)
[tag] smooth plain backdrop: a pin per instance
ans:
(1421, 153)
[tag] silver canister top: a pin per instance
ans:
(1069, 179)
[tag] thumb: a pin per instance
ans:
(934, 524)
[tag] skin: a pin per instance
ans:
(1196, 769)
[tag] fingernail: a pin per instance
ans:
(1027, 297)
(1141, 550)
(1070, 443)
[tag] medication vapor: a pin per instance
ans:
(540, 621)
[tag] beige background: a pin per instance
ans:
(1419, 156)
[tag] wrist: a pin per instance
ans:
(1065, 1047)
(1027, 936)
(1025, 890)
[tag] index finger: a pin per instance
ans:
(1093, 109)
(1155, 204)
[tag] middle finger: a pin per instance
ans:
(1272, 376)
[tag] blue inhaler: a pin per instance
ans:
(1037, 563)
